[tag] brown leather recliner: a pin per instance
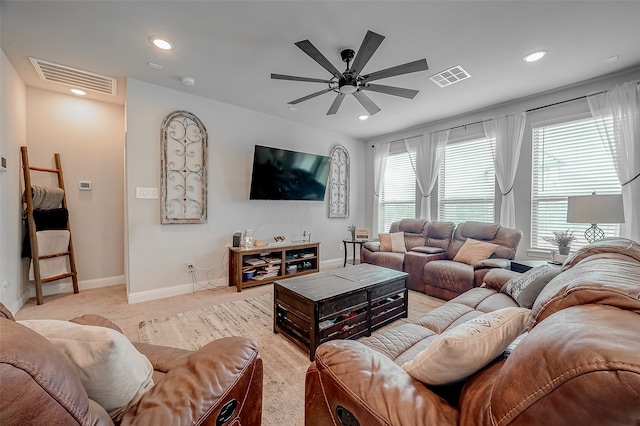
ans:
(578, 363)
(442, 277)
(218, 384)
(420, 235)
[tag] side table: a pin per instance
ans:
(524, 265)
(353, 244)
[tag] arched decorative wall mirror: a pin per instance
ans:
(339, 182)
(183, 169)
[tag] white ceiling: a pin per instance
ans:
(230, 48)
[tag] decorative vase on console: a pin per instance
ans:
(562, 240)
(352, 229)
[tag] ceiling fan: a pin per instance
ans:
(351, 81)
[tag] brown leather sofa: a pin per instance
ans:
(219, 384)
(577, 364)
(431, 248)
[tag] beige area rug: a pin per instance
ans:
(284, 363)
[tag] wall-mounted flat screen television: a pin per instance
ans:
(280, 174)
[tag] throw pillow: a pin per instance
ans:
(392, 242)
(473, 251)
(461, 351)
(112, 371)
(525, 288)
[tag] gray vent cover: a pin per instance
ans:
(450, 76)
(74, 77)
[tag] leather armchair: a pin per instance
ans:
(440, 276)
(218, 384)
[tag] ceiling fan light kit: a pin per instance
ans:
(352, 81)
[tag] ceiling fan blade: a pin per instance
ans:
(367, 103)
(368, 47)
(336, 104)
(294, 78)
(415, 66)
(391, 90)
(315, 54)
(313, 95)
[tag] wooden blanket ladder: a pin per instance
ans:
(38, 280)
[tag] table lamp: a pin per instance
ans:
(595, 209)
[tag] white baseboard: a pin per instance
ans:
(161, 293)
(66, 286)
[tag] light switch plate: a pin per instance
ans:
(149, 193)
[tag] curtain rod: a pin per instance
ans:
(528, 110)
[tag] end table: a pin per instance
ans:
(353, 244)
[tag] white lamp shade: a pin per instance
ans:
(595, 209)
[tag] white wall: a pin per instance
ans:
(12, 136)
(89, 136)
(522, 186)
(157, 254)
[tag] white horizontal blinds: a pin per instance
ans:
(568, 159)
(466, 182)
(398, 195)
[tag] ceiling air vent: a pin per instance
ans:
(74, 77)
(450, 76)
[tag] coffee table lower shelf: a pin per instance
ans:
(321, 307)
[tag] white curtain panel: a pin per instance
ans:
(507, 131)
(429, 152)
(380, 154)
(622, 104)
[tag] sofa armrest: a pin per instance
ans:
(371, 246)
(351, 381)
(427, 250)
(220, 381)
(492, 263)
(496, 278)
(414, 266)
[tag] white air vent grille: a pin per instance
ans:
(450, 76)
(74, 77)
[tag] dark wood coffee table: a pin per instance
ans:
(344, 303)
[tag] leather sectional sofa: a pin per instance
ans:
(577, 362)
(431, 248)
(220, 383)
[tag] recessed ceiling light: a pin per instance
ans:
(78, 92)
(188, 81)
(363, 117)
(535, 56)
(612, 59)
(292, 108)
(162, 43)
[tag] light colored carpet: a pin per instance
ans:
(284, 363)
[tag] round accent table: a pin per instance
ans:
(353, 243)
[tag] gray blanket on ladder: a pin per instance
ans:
(45, 198)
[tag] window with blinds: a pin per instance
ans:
(466, 182)
(398, 194)
(568, 159)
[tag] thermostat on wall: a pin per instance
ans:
(85, 185)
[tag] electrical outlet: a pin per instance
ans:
(191, 266)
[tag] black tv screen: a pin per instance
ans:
(280, 174)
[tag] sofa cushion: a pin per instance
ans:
(112, 371)
(473, 251)
(525, 288)
(392, 242)
(461, 351)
